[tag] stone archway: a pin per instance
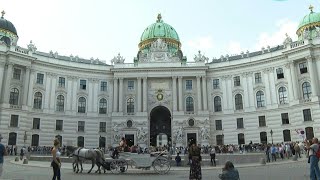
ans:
(160, 124)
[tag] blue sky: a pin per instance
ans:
(103, 28)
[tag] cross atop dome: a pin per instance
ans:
(3, 13)
(311, 8)
(159, 17)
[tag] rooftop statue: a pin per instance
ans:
(118, 60)
(200, 57)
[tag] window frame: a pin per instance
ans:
(82, 105)
(83, 84)
(218, 124)
(130, 85)
(262, 121)
(306, 90)
(238, 102)
(260, 99)
(81, 126)
(130, 105)
(14, 121)
(36, 123)
(14, 96)
(217, 104)
(216, 84)
(240, 123)
(103, 86)
(283, 95)
(103, 106)
(189, 84)
(257, 78)
(58, 124)
(16, 74)
(280, 74)
(236, 81)
(307, 116)
(62, 82)
(102, 127)
(60, 103)
(37, 100)
(285, 118)
(40, 78)
(189, 104)
(303, 67)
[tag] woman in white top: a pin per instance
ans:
(56, 162)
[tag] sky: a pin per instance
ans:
(103, 28)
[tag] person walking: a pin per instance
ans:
(213, 156)
(3, 152)
(314, 166)
(195, 167)
(56, 162)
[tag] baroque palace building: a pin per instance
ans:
(161, 98)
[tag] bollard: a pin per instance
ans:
(25, 161)
(263, 161)
(16, 159)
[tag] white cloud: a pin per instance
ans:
(201, 43)
(277, 38)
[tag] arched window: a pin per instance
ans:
(130, 105)
(60, 103)
(283, 95)
(309, 133)
(37, 102)
(217, 104)
(189, 104)
(238, 101)
(306, 89)
(80, 140)
(241, 138)
(260, 99)
(12, 138)
(14, 96)
(82, 105)
(286, 135)
(103, 106)
(263, 138)
(35, 140)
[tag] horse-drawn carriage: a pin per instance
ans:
(157, 160)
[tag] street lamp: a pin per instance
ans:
(271, 133)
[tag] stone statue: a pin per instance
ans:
(200, 57)
(204, 133)
(287, 41)
(306, 34)
(116, 134)
(118, 60)
(142, 135)
(32, 47)
(179, 135)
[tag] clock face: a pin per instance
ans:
(160, 97)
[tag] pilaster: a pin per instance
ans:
(180, 93)
(120, 94)
(115, 95)
(6, 92)
(199, 93)
(313, 76)
(139, 94)
(204, 93)
(145, 98)
(174, 92)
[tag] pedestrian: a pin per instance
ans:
(56, 162)
(229, 172)
(195, 167)
(313, 159)
(178, 159)
(213, 156)
(3, 152)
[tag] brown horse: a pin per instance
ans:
(96, 156)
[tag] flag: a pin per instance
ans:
(301, 133)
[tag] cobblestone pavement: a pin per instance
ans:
(288, 170)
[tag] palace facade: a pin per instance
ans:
(161, 98)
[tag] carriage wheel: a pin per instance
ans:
(118, 166)
(161, 165)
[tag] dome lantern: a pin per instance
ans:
(8, 33)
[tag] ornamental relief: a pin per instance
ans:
(159, 97)
(164, 84)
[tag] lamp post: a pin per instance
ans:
(271, 133)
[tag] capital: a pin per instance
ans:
(309, 58)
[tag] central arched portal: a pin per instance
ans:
(160, 126)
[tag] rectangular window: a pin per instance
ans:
(130, 85)
(218, 125)
(215, 83)
(40, 78)
(81, 125)
(59, 125)
(36, 123)
(280, 73)
(257, 78)
(83, 84)
(303, 68)
(14, 121)
(262, 121)
(62, 82)
(102, 127)
(307, 115)
(236, 81)
(16, 73)
(104, 86)
(285, 118)
(240, 123)
(188, 84)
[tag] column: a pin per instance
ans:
(120, 94)
(251, 95)
(204, 93)
(267, 87)
(290, 85)
(174, 92)
(53, 91)
(229, 93)
(272, 87)
(95, 104)
(294, 81)
(245, 90)
(30, 91)
(313, 76)
(180, 93)
(69, 93)
(199, 93)
(90, 94)
(115, 95)
(224, 91)
(75, 88)
(25, 86)
(6, 87)
(139, 94)
(47, 93)
(2, 65)
(145, 95)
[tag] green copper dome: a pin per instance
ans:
(159, 30)
(309, 22)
